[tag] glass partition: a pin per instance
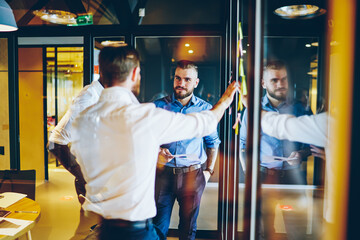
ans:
(290, 174)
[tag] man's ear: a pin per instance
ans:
(133, 73)
(197, 82)
(263, 83)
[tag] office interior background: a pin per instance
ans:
(54, 50)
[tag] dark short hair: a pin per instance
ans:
(186, 64)
(274, 65)
(116, 63)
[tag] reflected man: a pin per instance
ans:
(183, 178)
(272, 171)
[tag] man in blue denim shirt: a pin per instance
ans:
(179, 175)
(272, 171)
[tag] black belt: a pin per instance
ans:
(127, 224)
(178, 170)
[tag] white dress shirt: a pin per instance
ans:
(307, 129)
(116, 142)
(88, 96)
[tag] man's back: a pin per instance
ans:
(126, 136)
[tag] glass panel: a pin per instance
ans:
(65, 74)
(99, 43)
(4, 108)
(291, 178)
(159, 56)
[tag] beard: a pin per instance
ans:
(280, 96)
(182, 95)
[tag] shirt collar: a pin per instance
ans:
(98, 87)
(192, 101)
(267, 104)
(118, 94)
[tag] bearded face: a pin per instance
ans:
(276, 84)
(185, 82)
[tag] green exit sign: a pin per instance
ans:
(83, 19)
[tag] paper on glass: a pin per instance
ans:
(267, 159)
(193, 157)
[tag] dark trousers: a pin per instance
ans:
(187, 189)
(295, 219)
(116, 229)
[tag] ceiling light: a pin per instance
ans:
(7, 20)
(56, 16)
(191, 51)
(187, 45)
(109, 43)
(301, 11)
(308, 45)
(315, 44)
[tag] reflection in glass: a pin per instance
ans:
(290, 206)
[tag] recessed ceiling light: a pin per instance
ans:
(187, 45)
(56, 16)
(191, 51)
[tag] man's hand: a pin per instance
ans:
(317, 152)
(297, 158)
(207, 175)
(225, 100)
(164, 156)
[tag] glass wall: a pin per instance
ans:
(287, 184)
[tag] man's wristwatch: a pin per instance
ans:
(210, 171)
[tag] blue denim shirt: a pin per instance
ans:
(270, 146)
(190, 146)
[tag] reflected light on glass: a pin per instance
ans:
(308, 45)
(299, 11)
(187, 45)
(315, 44)
(191, 51)
(172, 60)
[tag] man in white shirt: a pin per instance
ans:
(117, 140)
(61, 135)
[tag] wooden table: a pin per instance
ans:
(25, 204)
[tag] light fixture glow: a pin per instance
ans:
(191, 51)
(187, 45)
(308, 45)
(301, 11)
(109, 43)
(56, 16)
(7, 20)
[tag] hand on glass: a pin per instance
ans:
(317, 152)
(164, 156)
(297, 159)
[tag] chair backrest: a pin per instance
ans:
(20, 181)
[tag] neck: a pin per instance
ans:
(185, 101)
(274, 102)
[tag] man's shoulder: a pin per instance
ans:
(202, 103)
(163, 100)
